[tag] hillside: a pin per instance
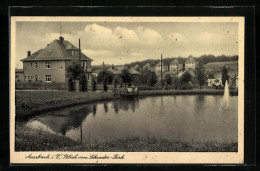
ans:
(216, 68)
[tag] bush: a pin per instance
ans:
(94, 84)
(83, 83)
(145, 87)
(71, 85)
(187, 86)
(105, 85)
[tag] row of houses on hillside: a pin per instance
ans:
(172, 66)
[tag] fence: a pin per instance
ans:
(40, 86)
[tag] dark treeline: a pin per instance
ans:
(202, 59)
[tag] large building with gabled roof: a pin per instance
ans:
(50, 63)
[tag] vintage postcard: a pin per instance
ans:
(127, 90)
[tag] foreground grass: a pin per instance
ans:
(31, 103)
(28, 139)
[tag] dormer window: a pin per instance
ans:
(74, 53)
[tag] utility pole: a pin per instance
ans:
(177, 75)
(161, 68)
(79, 52)
(142, 74)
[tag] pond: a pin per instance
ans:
(183, 118)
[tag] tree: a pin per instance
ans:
(168, 80)
(225, 75)
(105, 84)
(126, 76)
(152, 78)
(105, 75)
(186, 77)
(71, 85)
(115, 83)
(211, 75)
(94, 84)
(74, 72)
(201, 75)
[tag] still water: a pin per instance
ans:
(183, 118)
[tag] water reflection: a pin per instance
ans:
(179, 118)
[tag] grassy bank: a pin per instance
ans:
(27, 139)
(31, 103)
(185, 92)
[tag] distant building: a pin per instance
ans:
(158, 67)
(173, 65)
(19, 75)
(50, 63)
(136, 67)
(149, 66)
(190, 63)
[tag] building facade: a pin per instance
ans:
(19, 75)
(190, 63)
(173, 66)
(159, 65)
(50, 63)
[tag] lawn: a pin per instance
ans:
(216, 68)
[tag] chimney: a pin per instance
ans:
(28, 53)
(61, 39)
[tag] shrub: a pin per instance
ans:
(105, 85)
(187, 86)
(71, 85)
(94, 84)
(83, 83)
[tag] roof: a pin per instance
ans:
(159, 63)
(190, 60)
(19, 71)
(56, 50)
(175, 61)
(118, 70)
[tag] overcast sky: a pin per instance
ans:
(119, 42)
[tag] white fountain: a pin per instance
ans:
(226, 95)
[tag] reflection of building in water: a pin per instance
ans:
(65, 120)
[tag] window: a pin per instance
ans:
(31, 77)
(24, 77)
(36, 79)
(76, 53)
(72, 53)
(47, 65)
(48, 78)
(36, 65)
(31, 63)
(16, 76)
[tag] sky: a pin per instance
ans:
(124, 42)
